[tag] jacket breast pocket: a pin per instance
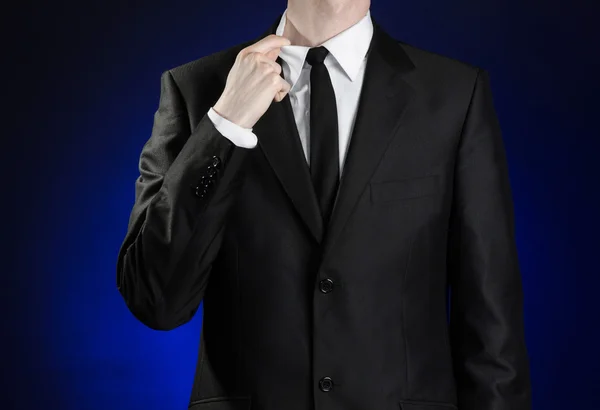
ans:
(402, 189)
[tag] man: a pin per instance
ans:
(328, 193)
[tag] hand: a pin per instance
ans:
(253, 82)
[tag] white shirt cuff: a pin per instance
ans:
(241, 137)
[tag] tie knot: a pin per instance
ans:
(316, 55)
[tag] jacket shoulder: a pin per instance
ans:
(201, 81)
(432, 62)
(440, 77)
(207, 65)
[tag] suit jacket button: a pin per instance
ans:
(201, 191)
(326, 384)
(326, 285)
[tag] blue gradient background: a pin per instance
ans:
(82, 85)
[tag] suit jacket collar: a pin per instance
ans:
(385, 97)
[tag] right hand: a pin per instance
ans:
(253, 82)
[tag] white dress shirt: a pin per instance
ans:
(346, 64)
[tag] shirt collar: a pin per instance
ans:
(349, 48)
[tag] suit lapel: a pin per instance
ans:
(279, 140)
(384, 98)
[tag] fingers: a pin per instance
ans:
(284, 89)
(262, 59)
(273, 54)
(266, 44)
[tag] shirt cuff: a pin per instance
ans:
(241, 137)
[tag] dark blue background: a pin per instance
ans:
(81, 80)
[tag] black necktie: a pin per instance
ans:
(324, 156)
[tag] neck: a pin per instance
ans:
(312, 22)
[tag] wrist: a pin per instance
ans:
(224, 111)
(220, 108)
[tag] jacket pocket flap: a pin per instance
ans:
(404, 188)
(221, 403)
(426, 405)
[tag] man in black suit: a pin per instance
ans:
(340, 202)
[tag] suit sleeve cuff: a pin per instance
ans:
(241, 137)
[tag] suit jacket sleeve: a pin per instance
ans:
(486, 319)
(175, 230)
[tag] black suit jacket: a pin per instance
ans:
(353, 316)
